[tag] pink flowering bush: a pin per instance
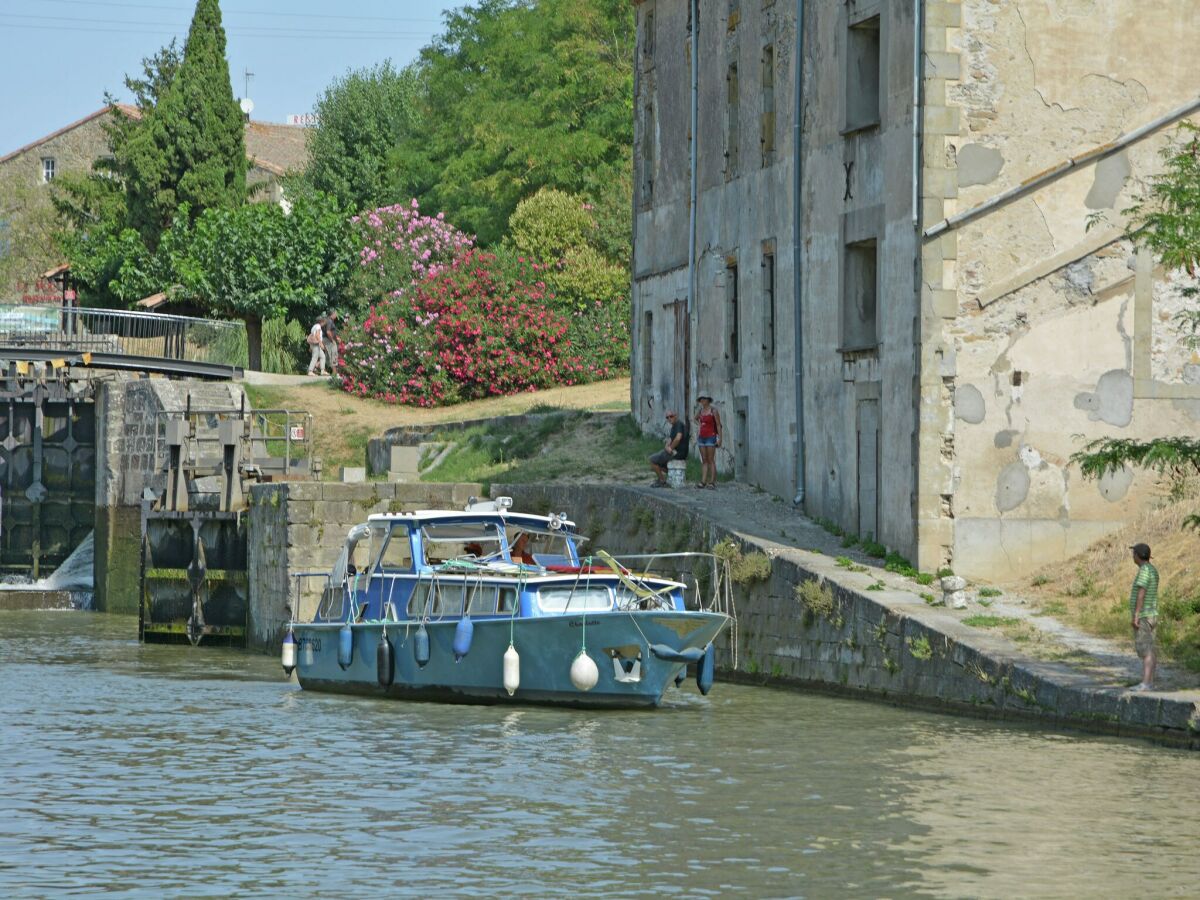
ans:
(472, 327)
(398, 246)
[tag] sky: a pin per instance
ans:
(58, 57)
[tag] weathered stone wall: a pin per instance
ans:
(298, 527)
(860, 419)
(1040, 331)
(126, 423)
(885, 644)
(743, 213)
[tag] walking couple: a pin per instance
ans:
(322, 341)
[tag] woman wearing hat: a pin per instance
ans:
(708, 440)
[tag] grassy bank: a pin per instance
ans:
(561, 445)
(342, 424)
(1091, 590)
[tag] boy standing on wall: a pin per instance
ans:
(1143, 611)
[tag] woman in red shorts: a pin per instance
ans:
(708, 440)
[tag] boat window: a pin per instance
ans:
(488, 599)
(540, 548)
(396, 554)
(462, 540)
(566, 599)
(447, 600)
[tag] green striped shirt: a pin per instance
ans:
(1147, 577)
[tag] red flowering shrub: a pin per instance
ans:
(473, 329)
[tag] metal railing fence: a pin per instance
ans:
(124, 333)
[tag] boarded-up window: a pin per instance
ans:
(731, 121)
(862, 74)
(767, 122)
(648, 155)
(859, 290)
(731, 294)
(768, 276)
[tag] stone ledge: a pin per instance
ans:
(866, 649)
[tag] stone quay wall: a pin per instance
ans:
(296, 527)
(856, 638)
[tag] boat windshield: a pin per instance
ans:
(578, 599)
(391, 550)
(460, 540)
(543, 548)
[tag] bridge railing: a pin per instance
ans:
(124, 332)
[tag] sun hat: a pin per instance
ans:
(707, 397)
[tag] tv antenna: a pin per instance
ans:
(246, 76)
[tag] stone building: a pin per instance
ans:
(272, 149)
(899, 305)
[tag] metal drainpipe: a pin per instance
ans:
(797, 269)
(693, 198)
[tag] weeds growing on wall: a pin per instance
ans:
(744, 568)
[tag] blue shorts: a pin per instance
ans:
(707, 441)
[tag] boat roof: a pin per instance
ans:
(474, 515)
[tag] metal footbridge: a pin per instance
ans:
(33, 337)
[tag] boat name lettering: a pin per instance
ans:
(314, 642)
(589, 622)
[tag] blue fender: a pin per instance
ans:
(464, 631)
(421, 647)
(345, 646)
(669, 654)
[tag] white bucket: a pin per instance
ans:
(676, 470)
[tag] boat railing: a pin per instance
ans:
(309, 592)
(709, 586)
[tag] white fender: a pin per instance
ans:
(512, 670)
(584, 673)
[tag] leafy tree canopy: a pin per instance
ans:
(189, 146)
(518, 95)
(361, 118)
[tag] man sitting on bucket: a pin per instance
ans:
(675, 447)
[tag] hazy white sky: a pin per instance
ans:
(58, 57)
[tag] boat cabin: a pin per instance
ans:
(484, 563)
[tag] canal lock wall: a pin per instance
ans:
(126, 421)
(814, 624)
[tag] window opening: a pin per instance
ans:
(731, 291)
(768, 271)
(731, 121)
(859, 296)
(862, 74)
(767, 124)
(48, 166)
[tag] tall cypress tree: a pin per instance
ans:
(190, 147)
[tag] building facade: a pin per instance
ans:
(914, 307)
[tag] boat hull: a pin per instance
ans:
(630, 675)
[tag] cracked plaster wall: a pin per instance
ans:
(1043, 327)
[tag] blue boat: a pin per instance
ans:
(487, 605)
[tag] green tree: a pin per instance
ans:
(517, 96)
(259, 261)
(361, 118)
(188, 147)
(1166, 221)
(560, 231)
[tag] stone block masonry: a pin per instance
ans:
(297, 527)
(813, 623)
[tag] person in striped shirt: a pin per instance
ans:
(1143, 612)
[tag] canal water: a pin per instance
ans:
(149, 771)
